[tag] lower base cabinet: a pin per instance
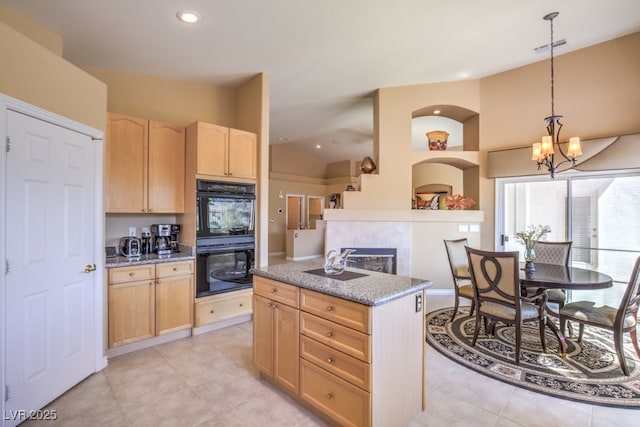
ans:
(358, 365)
(216, 308)
(149, 300)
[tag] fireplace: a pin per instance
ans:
(374, 259)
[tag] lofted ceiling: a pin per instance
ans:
(324, 59)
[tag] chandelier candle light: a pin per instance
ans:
(544, 152)
(529, 238)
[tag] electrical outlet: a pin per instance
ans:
(132, 231)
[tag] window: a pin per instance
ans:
(599, 213)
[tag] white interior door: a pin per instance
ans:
(50, 199)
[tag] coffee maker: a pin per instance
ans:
(161, 238)
(173, 239)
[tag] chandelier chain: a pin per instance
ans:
(553, 109)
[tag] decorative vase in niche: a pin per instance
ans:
(367, 165)
(529, 258)
(437, 140)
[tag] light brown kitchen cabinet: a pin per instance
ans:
(223, 152)
(174, 296)
(149, 300)
(276, 328)
(131, 304)
(144, 166)
(358, 365)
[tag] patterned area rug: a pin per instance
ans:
(591, 372)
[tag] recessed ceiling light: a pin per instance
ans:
(188, 16)
(318, 146)
(436, 111)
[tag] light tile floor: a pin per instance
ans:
(209, 380)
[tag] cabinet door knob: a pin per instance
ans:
(133, 273)
(330, 308)
(211, 312)
(330, 334)
(330, 360)
(175, 268)
(329, 396)
(241, 305)
(274, 290)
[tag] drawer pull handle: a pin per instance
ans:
(240, 304)
(175, 268)
(330, 308)
(132, 273)
(273, 290)
(330, 334)
(330, 360)
(211, 312)
(329, 396)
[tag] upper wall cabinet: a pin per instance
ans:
(223, 152)
(144, 170)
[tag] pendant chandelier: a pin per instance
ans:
(544, 151)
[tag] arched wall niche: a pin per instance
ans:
(468, 119)
(456, 166)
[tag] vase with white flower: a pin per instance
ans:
(529, 238)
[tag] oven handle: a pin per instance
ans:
(220, 248)
(248, 196)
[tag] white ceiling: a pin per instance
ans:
(325, 59)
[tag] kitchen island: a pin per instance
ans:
(351, 346)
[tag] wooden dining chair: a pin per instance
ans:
(556, 253)
(497, 294)
(617, 320)
(460, 272)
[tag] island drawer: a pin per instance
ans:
(132, 273)
(348, 313)
(345, 403)
(276, 291)
(171, 269)
(346, 367)
(340, 337)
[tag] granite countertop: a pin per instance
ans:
(370, 287)
(121, 261)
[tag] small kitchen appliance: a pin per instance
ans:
(130, 247)
(173, 239)
(161, 238)
(146, 241)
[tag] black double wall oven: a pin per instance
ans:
(225, 236)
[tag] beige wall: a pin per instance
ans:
(34, 74)
(277, 223)
(171, 101)
(37, 33)
(288, 160)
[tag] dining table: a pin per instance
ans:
(551, 276)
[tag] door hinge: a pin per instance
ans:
(6, 392)
(8, 144)
(7, 267)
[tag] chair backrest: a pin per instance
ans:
(495, 277)
(458, 258)
(556, 253)
(631, 298)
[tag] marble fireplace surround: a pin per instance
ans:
(417, 235)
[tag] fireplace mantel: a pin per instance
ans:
(404, 215)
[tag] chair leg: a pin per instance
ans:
(518, 339)
(542, 324)
(455, 309)
(634, 338)
(477, 329)
(620, 351)
(580, 332)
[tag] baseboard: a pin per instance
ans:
(222, 324)
(303, 258)
(140, 345)
(440, 292)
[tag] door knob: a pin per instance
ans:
(89, 268)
